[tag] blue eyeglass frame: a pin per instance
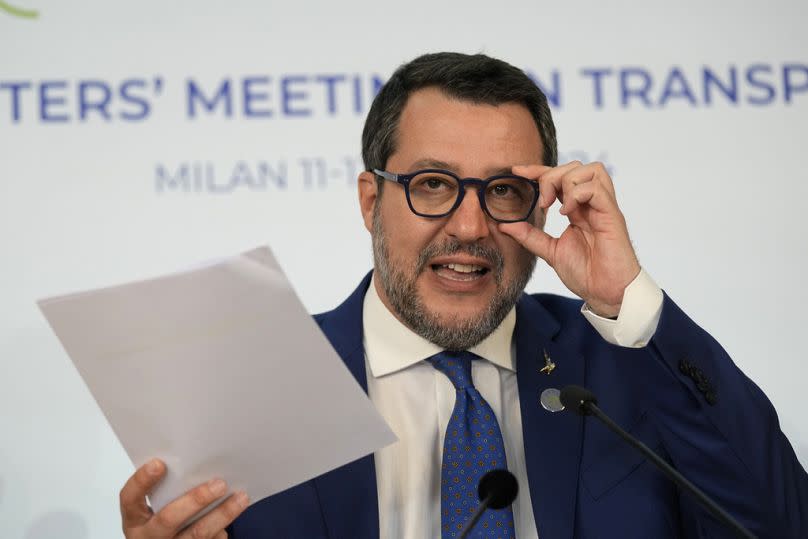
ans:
(404, 179)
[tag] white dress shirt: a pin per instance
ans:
(416, 400)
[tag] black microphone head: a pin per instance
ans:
(501, 486)
(576, 398)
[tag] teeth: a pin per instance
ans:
(464, 268)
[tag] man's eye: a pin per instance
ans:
(435, 183)
(502, 190)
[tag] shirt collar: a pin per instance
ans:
(391, 346)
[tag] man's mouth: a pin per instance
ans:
(460, 272)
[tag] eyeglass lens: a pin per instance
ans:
(509, 199)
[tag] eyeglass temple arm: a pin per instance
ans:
(386, 175)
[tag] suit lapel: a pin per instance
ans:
(552, 440)
(348, 494)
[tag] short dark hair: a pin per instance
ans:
(476, 78)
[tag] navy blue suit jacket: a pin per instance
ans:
(681, 395)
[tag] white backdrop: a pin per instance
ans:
(118, 162)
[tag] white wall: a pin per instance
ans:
(714, 192)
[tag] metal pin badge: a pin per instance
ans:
(549, 366)
(551, 400)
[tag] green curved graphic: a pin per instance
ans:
(18, 12)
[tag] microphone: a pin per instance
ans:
(583, 402)
(497, 490)
(577, 399)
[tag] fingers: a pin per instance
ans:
(558, 182)
(531, 238)
(590, 194)
(134, 511)
(169, 520)
(213, 524)
(167, 523)
(551, 183)
(530, 171)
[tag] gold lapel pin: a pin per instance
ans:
(549, 366)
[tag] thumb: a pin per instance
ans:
(535, 240)
(134, 511)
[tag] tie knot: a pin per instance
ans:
(456, 366)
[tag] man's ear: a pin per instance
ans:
(368, 194)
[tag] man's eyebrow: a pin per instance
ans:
(433, 163)
(500, 171)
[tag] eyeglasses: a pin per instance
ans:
(437, 193)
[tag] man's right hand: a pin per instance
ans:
(140, 522)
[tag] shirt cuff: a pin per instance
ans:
(638, 318)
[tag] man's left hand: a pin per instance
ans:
(593, 257)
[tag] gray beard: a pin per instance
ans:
(399, 285)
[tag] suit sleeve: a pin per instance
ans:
(723, 434)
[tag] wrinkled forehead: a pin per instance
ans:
(466, 137)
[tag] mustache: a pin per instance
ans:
(453, 247)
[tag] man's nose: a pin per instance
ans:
(468, 223)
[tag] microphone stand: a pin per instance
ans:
(497, 489)
(477, 514)
(666, 468)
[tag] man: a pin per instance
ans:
(460, 157)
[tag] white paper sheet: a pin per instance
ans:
(220, 372)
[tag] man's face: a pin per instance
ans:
(450, 279)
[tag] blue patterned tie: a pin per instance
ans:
(472, 447)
